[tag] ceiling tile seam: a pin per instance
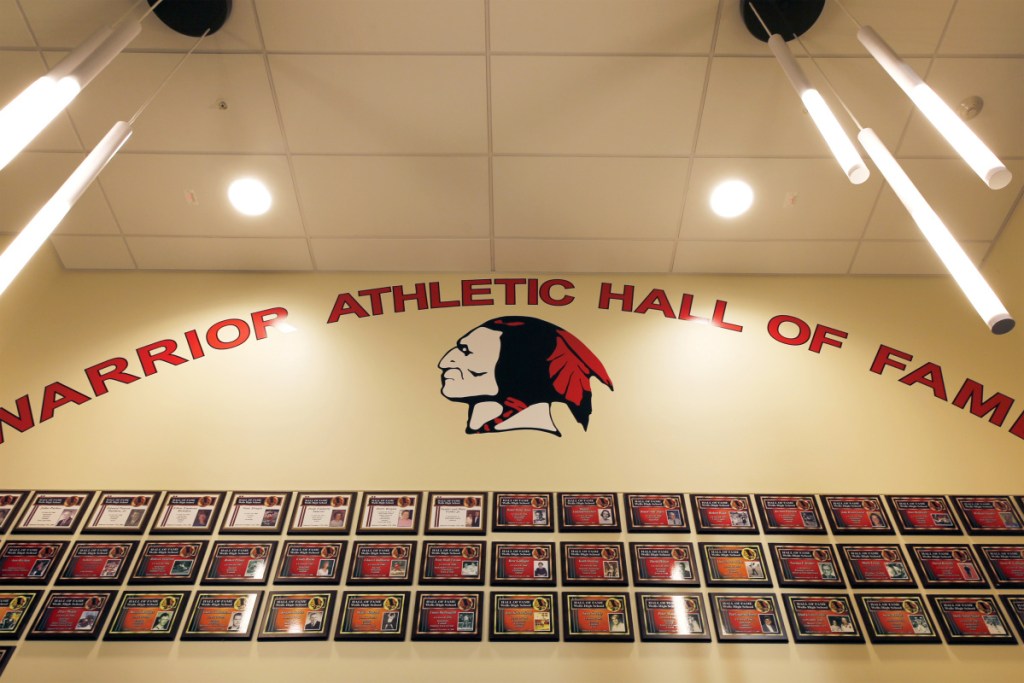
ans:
(1017, 203)
(490, 134)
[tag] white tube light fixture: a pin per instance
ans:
(966, 143)
(967, 276)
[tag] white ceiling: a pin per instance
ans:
(522, 135)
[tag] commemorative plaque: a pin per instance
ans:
(588, 512)
(923, 515)
(16, 609)
(593, 564)
(857, 515)
(747, 617)
(988, 515)
(734, 564)
(896, 618)
(946, 566)
(792, 514)
(372, 616)
(390, 513)
(311, 562)
(457, 513)
(663, 564)
(822, 618)
(188, 512)
(147, 615)
(238, 563)
(1005, 564)
(524, 616)
(448, 616)
(53, 512)
(251, 512)
(452, 562)
(1015, 606)
(382, 563)
(71, 615)
(803, 565)
(121, 512)
(597, 617)
(522, 512)
(97, 562)
(876, 566)
(222, 616)
(10, 505)
(723, 514)
(522, 564)
(323, 512)
(656, 512)
(971, 619)
(169, 562)
(297, 615)
(672, 616)
(30, 562)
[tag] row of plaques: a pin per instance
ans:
(454, 562)
(466, 512)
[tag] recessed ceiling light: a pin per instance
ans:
(249, 196)
(731, 198)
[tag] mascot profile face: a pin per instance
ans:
(510, 370)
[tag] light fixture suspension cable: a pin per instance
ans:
(167, 78)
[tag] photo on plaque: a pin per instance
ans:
(222, 616)
(896, 618)
(97, 563)
(390, 513)
(53, 512)
(1004, 563)
(857, 515)
(297, 615)
(747, 617)
(323, 512)
(988, 515)
(240, 563)
(448, 616)
(71, 615)
(656, 512)
(714, 514)
(971, 619)
(252, 512)
(147, 615)
(523, 512)
(593, 564)
(806, 565)
(311, 562)
(372, 616)
(121, 512)
(187, 512)
(522, 564)
(1015, 607)
(6, 652)
(663, 564)
(382, 563)
(672, 616)
(453, 562)
(923, 515)
(10, 505)
(946, 566)
(792, 514)
(822, 618)
(597, 617)
(169, 562)
(457, 513)
(734, 564)
(524, 616)
(30, 562)
(16, 608)
(588, 512)
(876, 566)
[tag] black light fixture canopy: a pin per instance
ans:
(193, 17)
(788, 18)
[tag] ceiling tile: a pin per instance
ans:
(382, 104)
(13, 29)
(438, 255)
(18, 70)
(582, 256)
(161, 205)
(588, 197)
(595, 105)
(804, 199)
(966, 205)
(394, 196)
(907, 258)
(602, 26)
(985, 28)
(93, 253)
(219, 253)
(1000, 82)
(806, 257)
(372, 26)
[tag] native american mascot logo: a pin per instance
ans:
(510, 370)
